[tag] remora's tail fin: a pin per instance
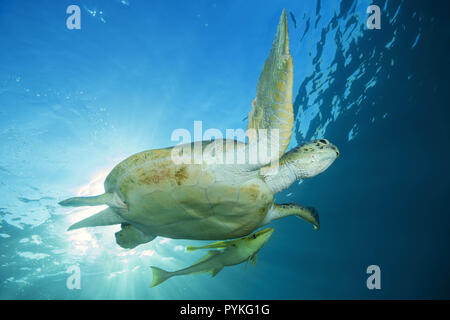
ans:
(159, 276)
(87, 201)
(105, 217)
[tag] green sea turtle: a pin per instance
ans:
(151, 195)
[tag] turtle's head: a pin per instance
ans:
(311, 158)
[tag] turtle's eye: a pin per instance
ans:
(254, 236)
(323, 141)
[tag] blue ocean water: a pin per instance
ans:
(74, 103)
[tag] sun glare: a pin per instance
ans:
(82, 239)
(92, 242)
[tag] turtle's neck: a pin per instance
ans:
(283, 178)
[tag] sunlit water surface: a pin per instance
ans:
(74, 103)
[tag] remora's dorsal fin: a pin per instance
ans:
(216, 245)
(105, 217)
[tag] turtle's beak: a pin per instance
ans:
(335, 149)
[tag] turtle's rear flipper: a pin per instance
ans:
(87, 201)
(106, 217)
(110, 199)
(130, 237)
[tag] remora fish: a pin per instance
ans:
(234, 252)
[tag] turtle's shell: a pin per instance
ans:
(189, 201)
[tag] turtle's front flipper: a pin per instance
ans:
(278, 211)
(130, 237)
(272, 107)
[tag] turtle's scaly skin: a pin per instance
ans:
(188, 201)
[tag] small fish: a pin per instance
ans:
(234, 252)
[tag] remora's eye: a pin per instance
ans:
(323, 141)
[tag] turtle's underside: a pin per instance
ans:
(151, 195)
